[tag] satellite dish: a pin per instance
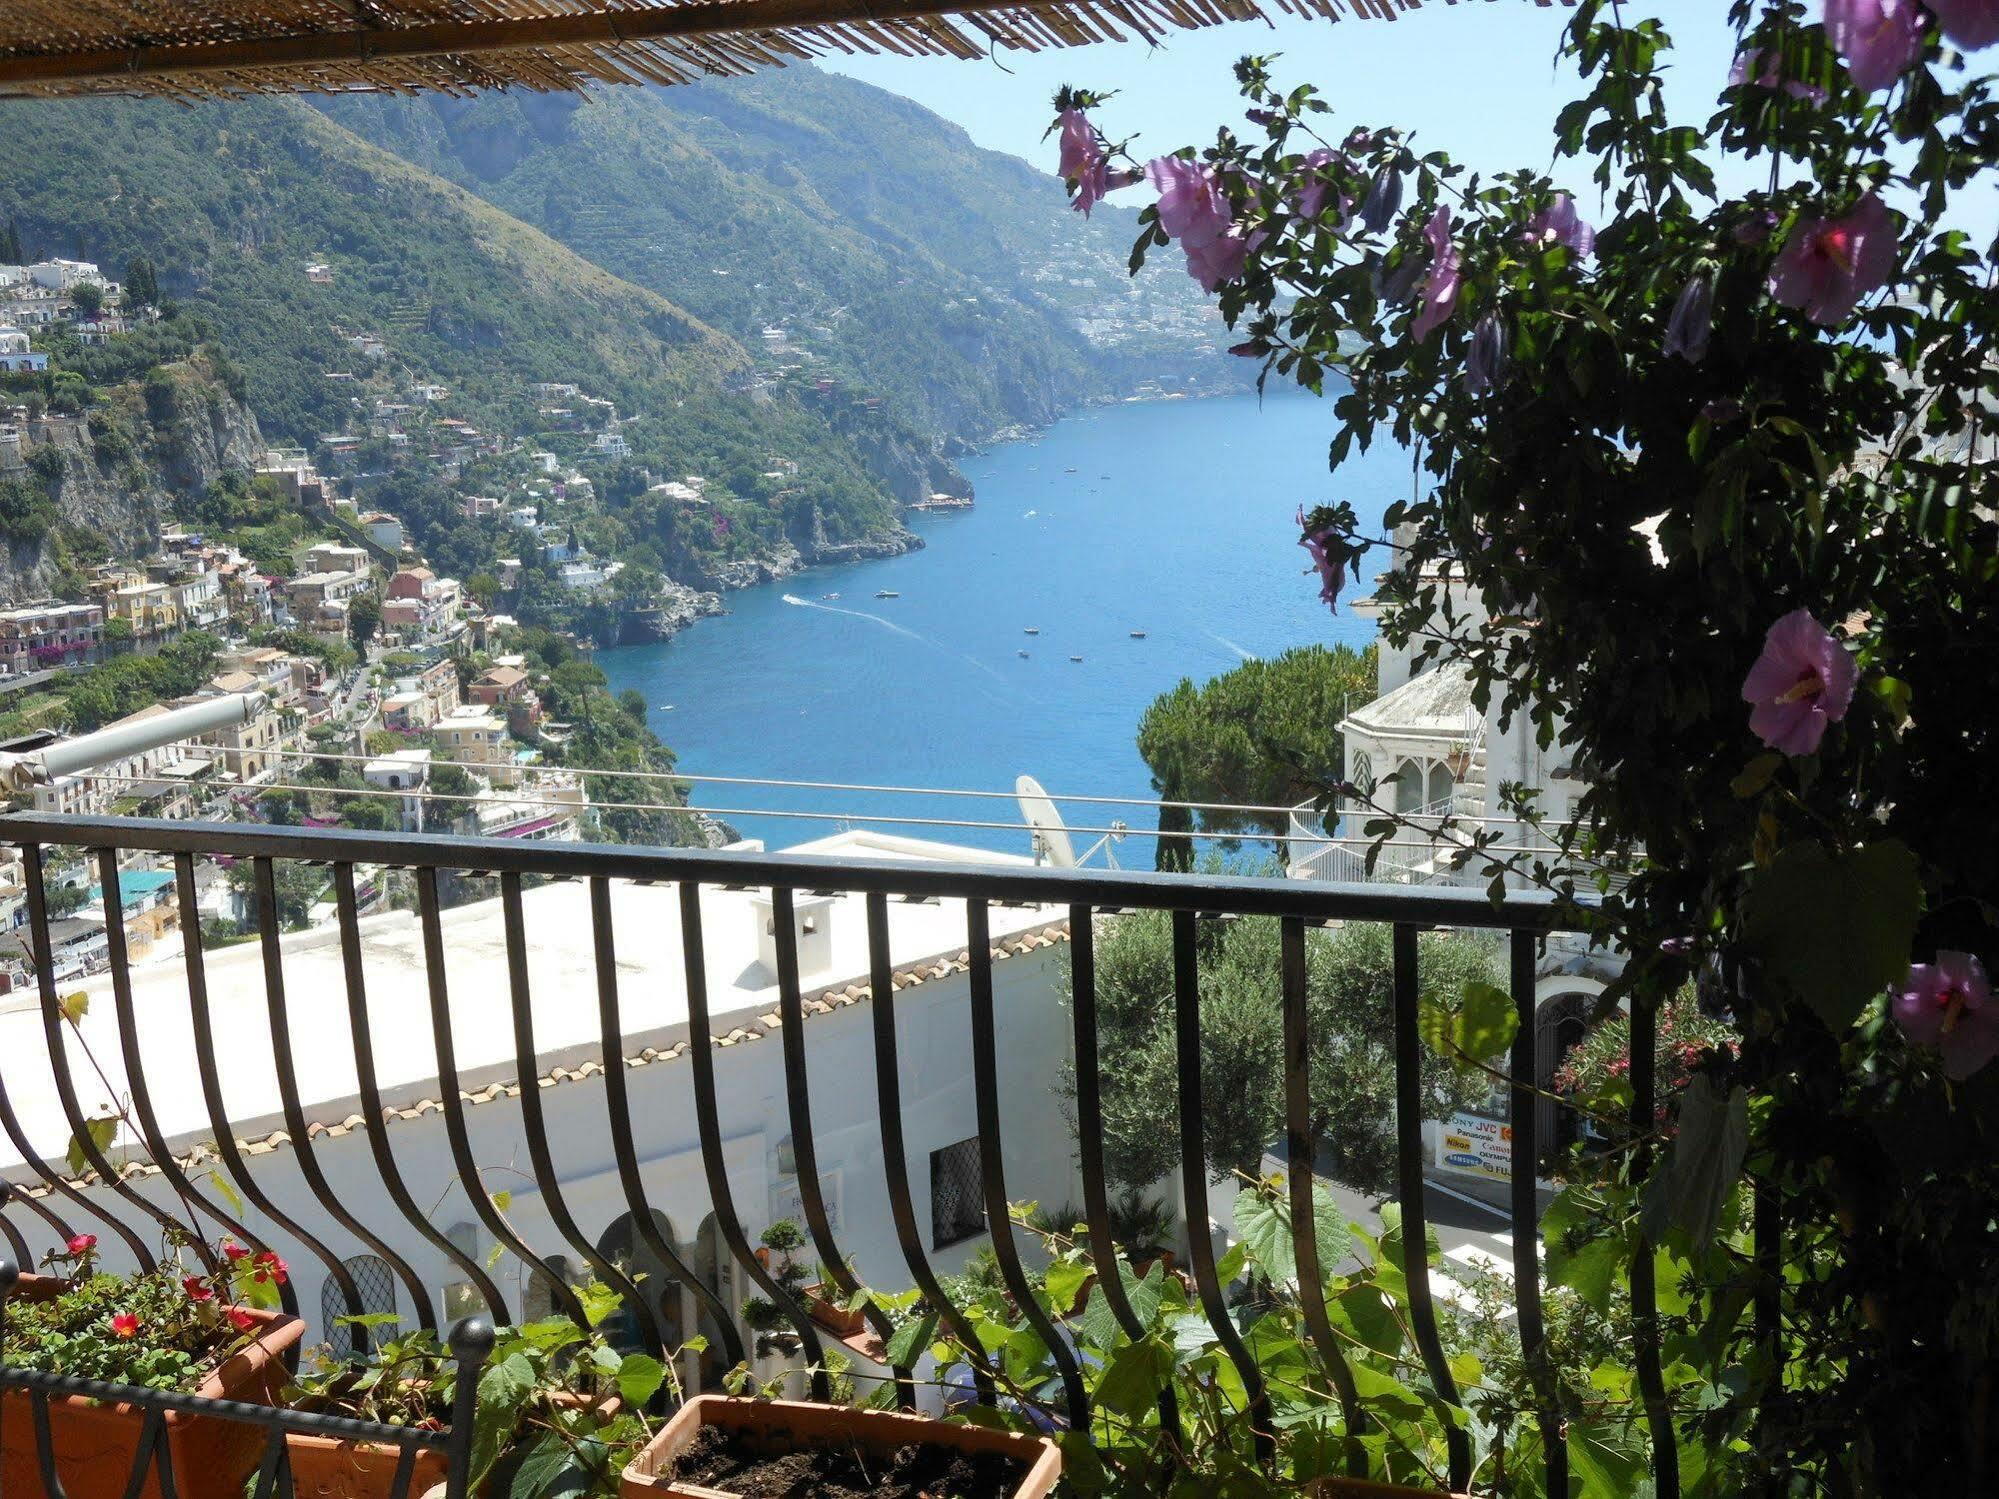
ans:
(1051, 838)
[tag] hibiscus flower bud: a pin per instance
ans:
(1692, 317)
(1383, 201)
(1486, 364)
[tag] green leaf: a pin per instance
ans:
(639, 1377)
(1835, 929)
(599, 1301)
(74, 1006)
(1590, 1270)
(368, 1319)
(1131, 1380)
(1263, 1224)
(1702, 1165)
(541, 1470)
(909, 1341)
(504, 1391)
(1479, 1029)
(101, 1133)
(1065, 1283)
(502, 1200)
(1754, 776)
(225, 1191)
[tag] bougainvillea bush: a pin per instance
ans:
(1715, 463)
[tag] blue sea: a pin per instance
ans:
(1175, 518)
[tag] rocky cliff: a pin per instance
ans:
(81, 486)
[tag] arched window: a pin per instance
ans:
(1441, 784)
(375, 1283)
(1360, 771)
(1409, 785)
(633, 1253)
(461, 1297)
(538, 1301)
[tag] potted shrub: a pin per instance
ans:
(556, 1411)
(719, 1445)
(215, 1334)
(777, 1252)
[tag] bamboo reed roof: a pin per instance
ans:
(195, 49)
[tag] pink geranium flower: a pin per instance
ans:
(1970, 24)
(1947, 1006)
(1878, 38)
(1803, 681)
(1440, 291)
(82, 1244)
(1827, 265)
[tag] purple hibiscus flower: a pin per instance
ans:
(1947, 1006)
(1083, 163)
(1802, 682)
(1560, 224)
(1314, 189)
(1440, 291)
(1878, 38)
(1326, 563)
(1828, 265)
(1693, 315)
(1192, 206)
(1970, 24)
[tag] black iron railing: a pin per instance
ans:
(53, 1200)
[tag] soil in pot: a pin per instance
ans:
(721, 1459)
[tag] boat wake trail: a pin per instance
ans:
(902, 630)
(886, 624)
(1223, 640)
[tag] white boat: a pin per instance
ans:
(1021, 654)
(1075, 658)
(1138, 634)
(887, 593)
(666, 707)
(1032, 630)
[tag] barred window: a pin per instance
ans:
(375, 1283)
(957, 1194)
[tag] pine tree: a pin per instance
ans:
(10, 245)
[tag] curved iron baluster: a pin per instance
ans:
(798, 1109)
(618, 1104)
(135, 1075)
(45, 983)
(1525, 1209)
(11, 1192)
(895, 1156)
(992, 1166)
(196, 967)
(374, 1117)
(1300, 1145)
(722, 1197)
(1644, 1289)
(45, 1446)
(1409, 1193)
(453, 1101)
(1090, 1141)
(293, 1107)
(535, 1129)
(1194, 1176)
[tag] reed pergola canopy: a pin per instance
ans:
(211, 48)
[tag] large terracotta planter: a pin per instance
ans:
(334, 1468)
(780, 1426)
(96, 1445)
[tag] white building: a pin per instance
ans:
(939, 1114)
(406, 772)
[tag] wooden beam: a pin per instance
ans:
(361, 46)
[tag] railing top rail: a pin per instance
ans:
(921, 878)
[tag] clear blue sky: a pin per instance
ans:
(1479, 81)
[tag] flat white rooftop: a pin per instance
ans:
(562, 979)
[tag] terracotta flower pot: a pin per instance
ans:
(833, 1315)
(333, 1468)
(776, 1427)
(95, 1445)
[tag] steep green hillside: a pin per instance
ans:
(951, 281)
(233, 202)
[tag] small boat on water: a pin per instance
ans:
(1068, 471)
(1138, 634)
(1032, 630)
(1021, 654)
(829, 596)
(1075, 658)
(887, 593)
(666, 707)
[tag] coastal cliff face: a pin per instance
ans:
(80, 488)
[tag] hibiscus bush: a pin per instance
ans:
(1715, 465)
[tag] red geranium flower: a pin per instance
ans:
(83, 1243)
(270, 1267)
(240, 1319)
(197, 1289)
(232, 1251)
